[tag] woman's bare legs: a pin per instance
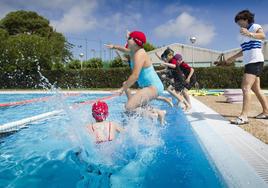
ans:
(247, 84)
(261, 97)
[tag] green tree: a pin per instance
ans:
(74, 64)
(26, 53)
(3, 39)
(62, 49)
(27, 36)
(148, 47)
(93, 63)
(57, 66)
(117, 62)
(26, 22)
(3, 35)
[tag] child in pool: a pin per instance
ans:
(103, 130)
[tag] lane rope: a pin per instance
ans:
(16, 125)
(16, 103)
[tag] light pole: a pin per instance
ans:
(104, 54)
(100, 49)
(81, 56)
(93, 53)
(193, 40)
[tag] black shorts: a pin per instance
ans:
(178, 86)
(254, 68)
(192, 82)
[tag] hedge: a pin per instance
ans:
(211, 77)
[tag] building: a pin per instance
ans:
(201, 57)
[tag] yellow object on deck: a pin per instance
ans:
(204, 92)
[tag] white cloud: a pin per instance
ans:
(177, 8)
(72, 17)
(49, 5)
(82, 17)
(78, 19)
(119, 22)
(186, 25)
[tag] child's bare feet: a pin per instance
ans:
(181, 105)
(187, 108)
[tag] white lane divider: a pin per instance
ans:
(16, 125)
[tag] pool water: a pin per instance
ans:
(59, 152)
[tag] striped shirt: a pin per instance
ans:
(252, 48)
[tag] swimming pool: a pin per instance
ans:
(58, 152)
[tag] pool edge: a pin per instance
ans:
(241, 158)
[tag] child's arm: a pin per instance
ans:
(190, 75)
(169, 65)
(160, 71)
(231, 59)
(164, 63)
(117, 47)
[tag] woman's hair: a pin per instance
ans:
(245, 15)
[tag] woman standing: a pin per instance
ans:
(252, 36)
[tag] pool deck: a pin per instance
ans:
(241, 158)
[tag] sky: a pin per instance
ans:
(88, 24)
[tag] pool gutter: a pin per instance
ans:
(241, 158)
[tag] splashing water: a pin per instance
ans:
(44, 82)
(59, 151)
(124, 159)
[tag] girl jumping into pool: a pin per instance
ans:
(102, 130)
(126, 59)
(143, 72)
(252, 36)
(182, 74)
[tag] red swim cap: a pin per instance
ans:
(100, 111)
(139, 37)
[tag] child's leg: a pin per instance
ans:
(165, 99)
(187, 97)
(184, 101)
(141, 97)
(178, 96)
(128, 93)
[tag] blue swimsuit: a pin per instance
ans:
(148, 77)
